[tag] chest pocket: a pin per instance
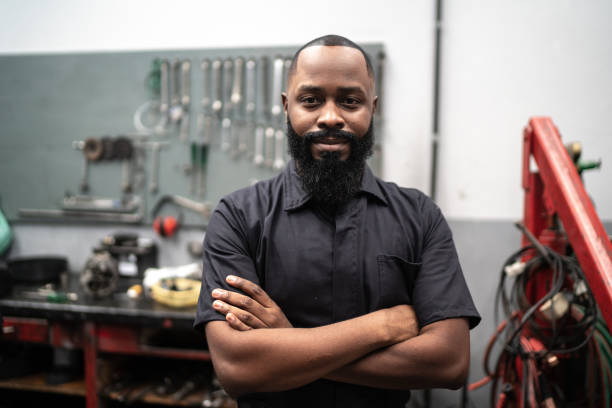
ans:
(395, 281)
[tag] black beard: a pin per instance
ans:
(330, 180)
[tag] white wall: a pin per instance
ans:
(505, 61)
(502, 62)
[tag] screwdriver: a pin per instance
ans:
(199, 158)
(51, 296)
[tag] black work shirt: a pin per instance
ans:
(387, 246)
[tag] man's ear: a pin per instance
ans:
(374, 105)
(285, 100)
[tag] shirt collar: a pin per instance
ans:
(296, 196)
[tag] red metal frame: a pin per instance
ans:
(556, 189)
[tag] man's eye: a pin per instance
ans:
(309, 100)
(350, 101)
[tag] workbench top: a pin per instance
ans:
(117, 308)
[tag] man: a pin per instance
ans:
(325, 286)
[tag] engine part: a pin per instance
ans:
(99, 278)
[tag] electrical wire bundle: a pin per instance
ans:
(556, 351)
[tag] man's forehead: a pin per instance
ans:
(328, 60)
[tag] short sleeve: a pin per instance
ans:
(440, 290)
(225, 253)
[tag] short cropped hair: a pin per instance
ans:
(331, 40)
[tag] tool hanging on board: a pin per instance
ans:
(176, 108)
(262, 111)
(217, 106)
(274, 133)
(164, 104)
(206, 115)
(199, 158)
(185, 100)
(155, 165)
(226, 123)
(250, 96)
(237, 102)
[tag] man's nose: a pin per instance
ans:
(330, 117)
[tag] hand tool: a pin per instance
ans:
(246, 139)
(185, 99)
(155, 164)
(81, 215)
(176, 109)
(189, 386)
(217, 106)
(199, 157)
(205, 118)
(226, 123)
(50, 294)
(261, 112)
(83, 185)
(258, 154)
(279, 149)
(123, 149)
(236, 105)
(275, 111)
(164, 95)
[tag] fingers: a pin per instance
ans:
(240, 301)
(251, 289)
(238, 318)
(235, 323)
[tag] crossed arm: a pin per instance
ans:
(383, 349)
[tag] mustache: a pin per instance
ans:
(313, 137)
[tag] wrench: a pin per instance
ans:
(185, 99)
(217, 105)
(205, 117)
(164, 95)
(275, 111)
(246, 140)
(237, 102)
(226, 123)
(262, 112)
(153, 186)
(176, 109)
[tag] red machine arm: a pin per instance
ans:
(558, 189)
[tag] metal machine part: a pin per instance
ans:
(557, 189)
(100, 276)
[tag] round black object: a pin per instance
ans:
(107, 148)
(40, 270)
(122, 148)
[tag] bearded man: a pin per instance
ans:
(325, 286)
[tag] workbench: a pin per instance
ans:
(117, 325)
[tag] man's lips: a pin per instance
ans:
(330, 141)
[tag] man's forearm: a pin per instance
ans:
(280, 359)
(437, 358)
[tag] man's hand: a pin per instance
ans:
(255, 311)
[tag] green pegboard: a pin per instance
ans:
(48, 102)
